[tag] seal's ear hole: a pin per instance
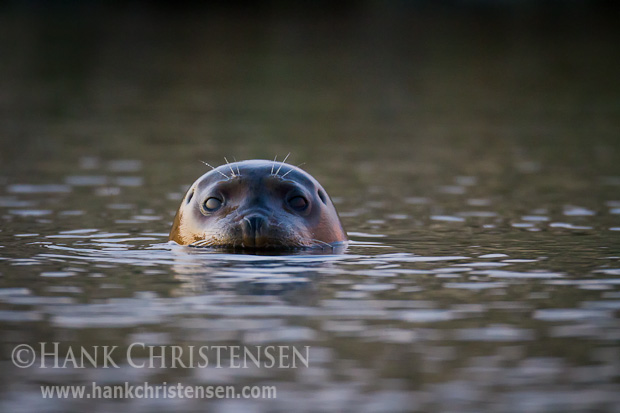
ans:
(323, 196)
(190, 196)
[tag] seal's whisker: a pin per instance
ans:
(273, 164)
(288, 172)
(319, 242)
(212, 167)
(282, 163)
(291, 170)
(238, 172)
(202, 243)
(231, 169)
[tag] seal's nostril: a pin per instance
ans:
(254, 224)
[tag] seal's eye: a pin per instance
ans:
(298, 203)
(212, 204)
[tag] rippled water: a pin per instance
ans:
(477, 172)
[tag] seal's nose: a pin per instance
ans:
(253, 227)
(254, 223)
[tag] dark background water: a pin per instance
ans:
(472, 148)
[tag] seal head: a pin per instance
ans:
(257, 204)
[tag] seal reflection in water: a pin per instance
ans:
(258, 205)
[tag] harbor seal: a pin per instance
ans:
(257, 205)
